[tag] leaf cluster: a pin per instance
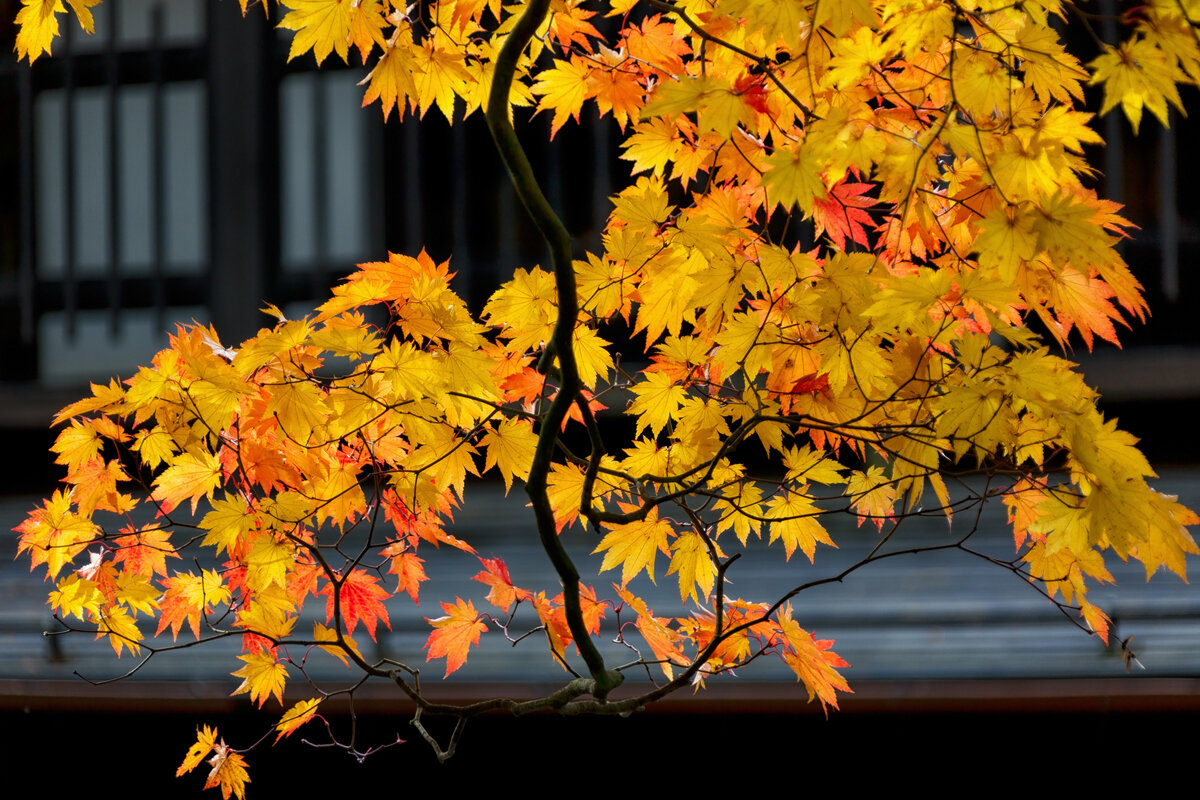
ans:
(845, 218)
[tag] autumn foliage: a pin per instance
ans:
(859, 236)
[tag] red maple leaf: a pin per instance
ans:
(842, 213)
(752, 91)
(503, 593)
(361, 600)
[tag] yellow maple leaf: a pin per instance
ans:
(741, 511)
(510, 446)
(320, 25)
(806, 465)
(793, 518)
(525, 308)
(634, 546)
(76, 595)
(262, 677)
(205, 739)
(669, 290)
(296, 716)
(563, 89)
(137, 593)
(105, 397)
(117, 624)
(391, 80)
(228, 772)
(1166, 541)
(691, 559)
(1006, 239)
(77, 444)
(155, 446)
(1138, 75)
(441, 76)
(658, 400)
(793, 177)
(338, 494)
(873, 495)
(190, 477)
(335, 647)
(299, 406)
(37, 26)
(654, 145)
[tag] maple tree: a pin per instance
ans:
(849, 223)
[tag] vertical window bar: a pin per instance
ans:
(25, 278)
(602, 187)
(114, 173)
(1114, 151)
(1114, 158)
(376, 224)
(158, 168)
(460, 197)
(320, 185)
(69, 288)
(553, 167)
(1168, 209)
(412, 185)
(506, 222)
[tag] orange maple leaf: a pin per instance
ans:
(592, 609)
(54, 534)
(616, 89)
(95, 486)
(454, 633)
(570, 25)
(187, 598)
(656, 46)
(409, 569)
(664, 641)
(812, 660)
(554, 620)
(1084, 303)
(527, 386)
(145, 552)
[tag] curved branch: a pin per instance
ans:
(555, 233)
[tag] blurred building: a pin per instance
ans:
(176, 167)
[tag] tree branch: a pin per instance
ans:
(555, 233)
